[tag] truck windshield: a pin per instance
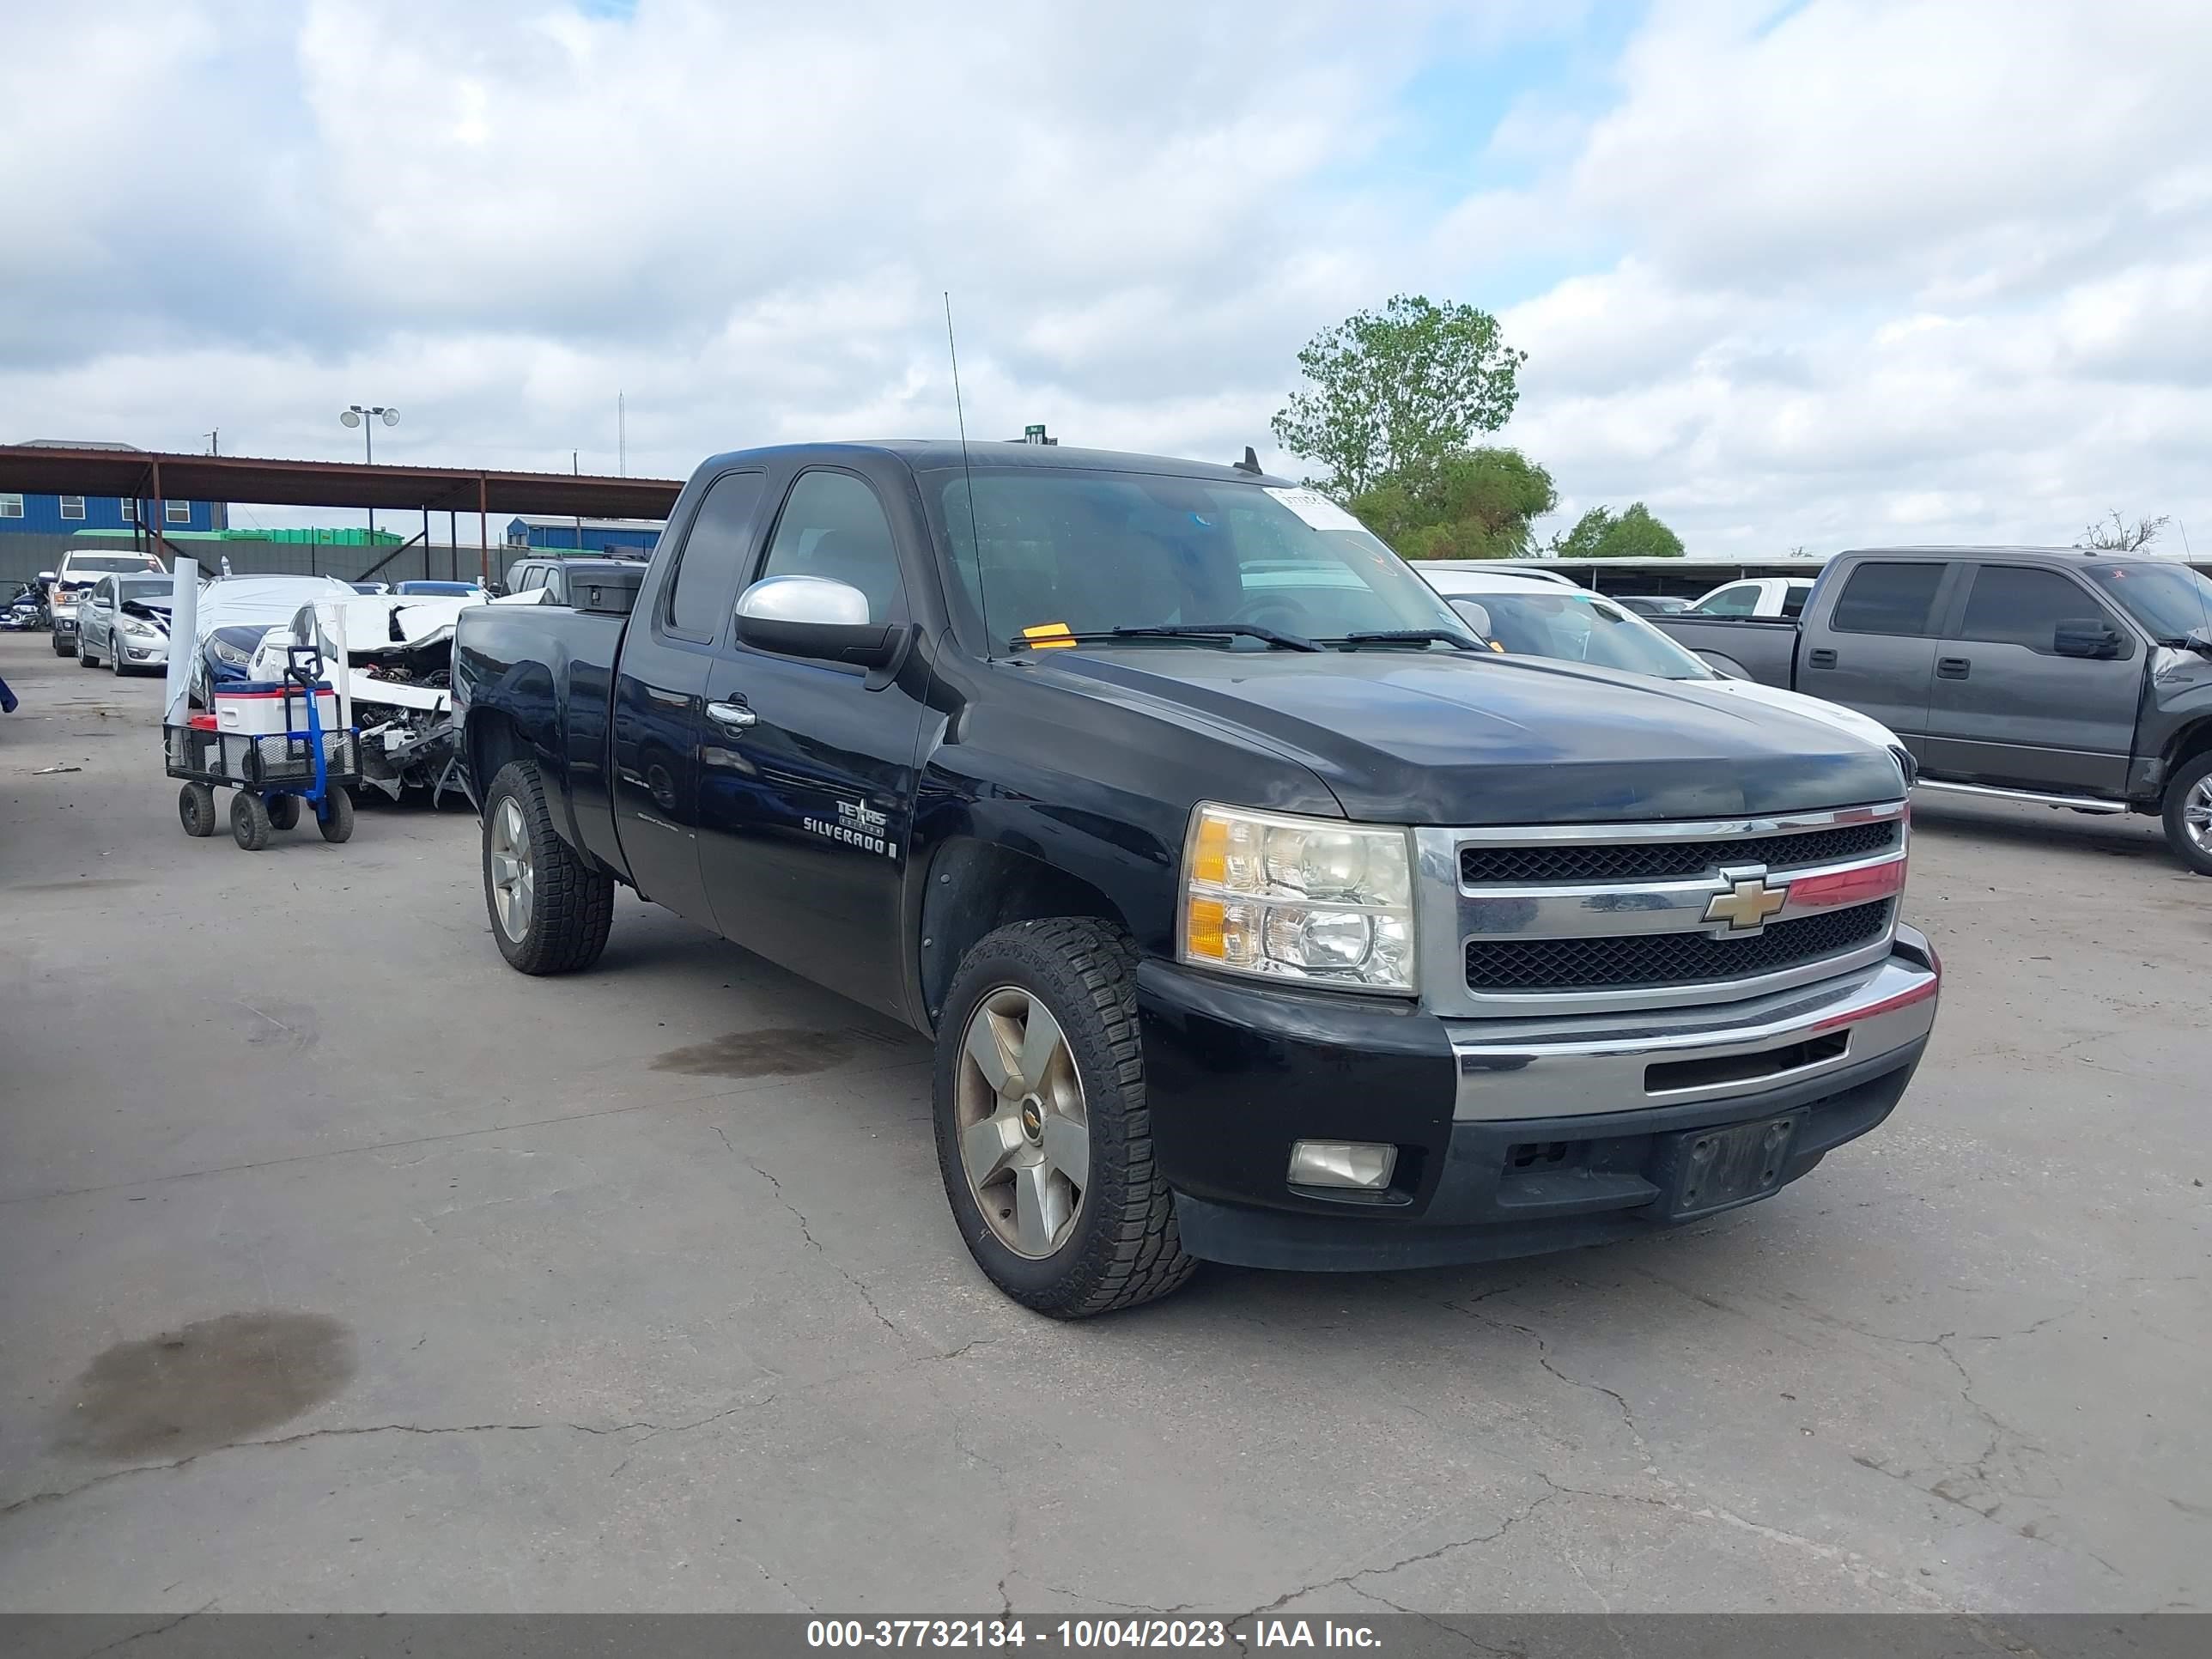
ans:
(2167, 600)
(1095, 551)
(1573, 626)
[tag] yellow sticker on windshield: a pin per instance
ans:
(1047, 636)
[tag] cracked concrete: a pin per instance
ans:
(628, 1338)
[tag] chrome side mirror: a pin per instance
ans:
(814, 616)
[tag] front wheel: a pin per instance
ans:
(84, 657)
(551, 906)
(249, 820)
(64, 646)
(2188, 814)
(1043, 1135)
(196, 809)
(337, 820)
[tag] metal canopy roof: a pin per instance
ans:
(44, 470)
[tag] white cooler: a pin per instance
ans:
(268, 708)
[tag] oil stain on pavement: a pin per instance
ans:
(777, 1051)
(204, 1385)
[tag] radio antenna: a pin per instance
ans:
(968, 470)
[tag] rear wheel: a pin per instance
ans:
(551, 906)
(283, 811)
(249, 821)
(1043, 1135)
(196, 809)
(2188, 814)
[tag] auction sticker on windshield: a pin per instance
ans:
(1316, 509)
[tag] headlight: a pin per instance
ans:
(1310, 899)
(230, 653)
(139, 630)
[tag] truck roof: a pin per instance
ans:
(2063, 553)
(946, 454)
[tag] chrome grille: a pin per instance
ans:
(1544, 920)
(1481, 865)
(1638, 960)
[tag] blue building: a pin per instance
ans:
(584, 536)
(64, 515)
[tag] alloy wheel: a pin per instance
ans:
(1024, 1136)
(513, 881)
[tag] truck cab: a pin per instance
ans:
(1255, 911)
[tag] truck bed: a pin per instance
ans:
(1763, 648)
(548, 670)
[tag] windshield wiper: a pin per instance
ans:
(1404, 636)
(1274, 637)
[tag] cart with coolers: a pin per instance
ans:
(277, 743)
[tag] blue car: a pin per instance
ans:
(441, 590)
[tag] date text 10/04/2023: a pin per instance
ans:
(1081, 1634)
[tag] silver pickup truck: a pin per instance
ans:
(2056, 675)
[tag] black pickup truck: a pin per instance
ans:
(1256, 912)
(2056, 675)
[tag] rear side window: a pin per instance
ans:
(1793, 599)
(2012, 605)
(1888, 598)
(702, 588)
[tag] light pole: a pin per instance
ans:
(364, 416)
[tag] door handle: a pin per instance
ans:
(1953, 668)
(1822, 658)
(731, 716)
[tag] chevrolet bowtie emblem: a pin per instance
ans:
(1748, 903)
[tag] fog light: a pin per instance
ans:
(1361, 1163)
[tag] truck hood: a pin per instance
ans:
(1401, 737)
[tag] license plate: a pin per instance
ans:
(1715, 1168)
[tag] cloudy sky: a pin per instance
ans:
(1819, 274)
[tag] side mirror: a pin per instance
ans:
(46, 576)
(814, 616)
(2085, 637)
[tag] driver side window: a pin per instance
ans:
(834, 527)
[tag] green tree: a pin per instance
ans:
(1395, 392)
(1474, 504)
(1601, 533)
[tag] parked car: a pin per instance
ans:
(443, 590)
(75, 574)
(235, 613)
(370, 587)
(1652, 604)
(1755, 596)
(1535, 619)
(1264, 922)
(124, 621)
(2069, 677)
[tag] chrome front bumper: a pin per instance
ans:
(1600, 1063)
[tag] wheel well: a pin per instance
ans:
(975, 889)
(2187, 744)
(492, 742)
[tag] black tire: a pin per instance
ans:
(337, 824)
(249, 821)
(64, 646)
(2194, 854)
(196, 809)
(84, 658)
(283, 811)
(571, 901)
(1123, 1248)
